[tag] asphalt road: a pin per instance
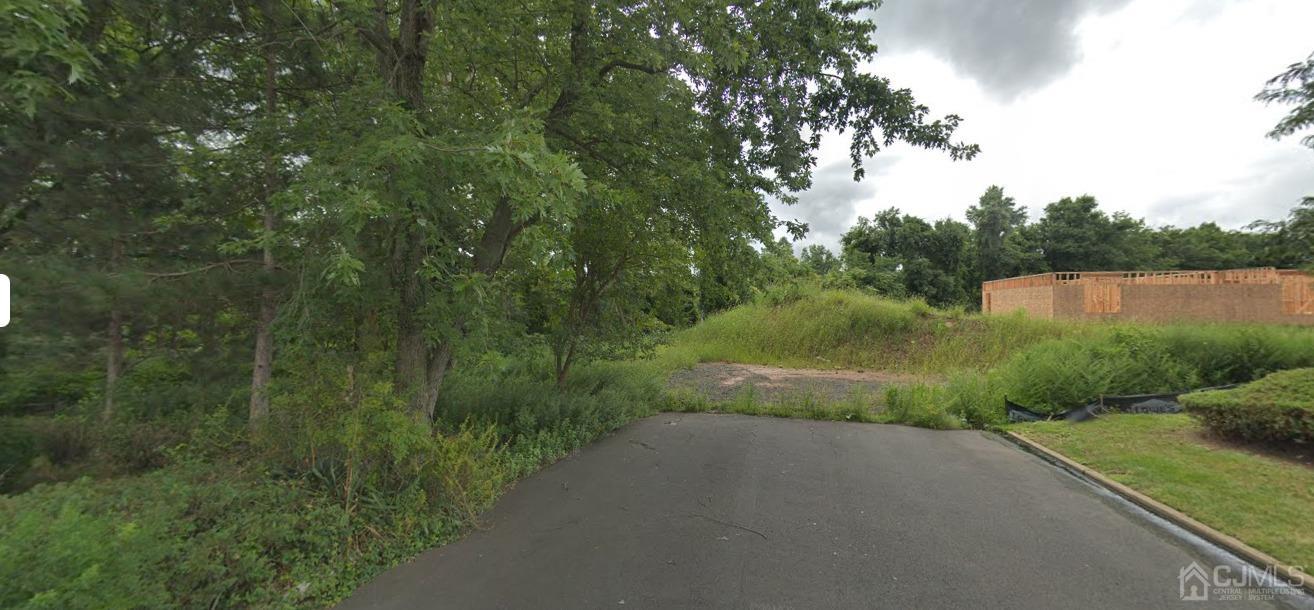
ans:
(726, 511)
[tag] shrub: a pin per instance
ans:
(45, 449)
(1277, 408)
(972, 398)
(58, 549)
(1055, 376)
(1226, 354)
(921, 405)
(196, 535)
(44, 386)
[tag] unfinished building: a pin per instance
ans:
(1267, 295)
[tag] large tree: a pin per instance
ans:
(486, 135)
(1077, 236)
(995, 217)
(901, 254)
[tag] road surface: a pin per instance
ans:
(728, 511)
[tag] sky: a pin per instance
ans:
(1148, 105)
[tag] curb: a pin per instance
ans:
(1169, 513)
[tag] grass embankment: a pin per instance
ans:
(1048, 366)
(846, 329)
(1261, 500)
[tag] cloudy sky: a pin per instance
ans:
(1145, 104)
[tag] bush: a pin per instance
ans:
(194, 536)
(44, 449)
(1226, 354)
(59, 549)
(1055, 376)
(974, 399)
(921, 405)
(43, 387)
(1277, 408)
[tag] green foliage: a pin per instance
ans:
(1229, 353)
(40, 449)
(1277, 408)
(1290, 242)
(1076, 235)
(819, 260)
(995, 218)
(60, 549)
(189, 536)
(341, 495)
(801, 325)
(1059, 375)
(904, 255)
(974, 398)
(44, 387)
(41, 53)
(1293, 87)
(921, 405)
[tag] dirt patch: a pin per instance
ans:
(721, 381)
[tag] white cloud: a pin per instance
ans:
(1156, 117)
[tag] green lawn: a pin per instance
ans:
(1264, 501)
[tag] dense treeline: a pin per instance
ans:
(944, 262)
(322, 276)
(206, 191)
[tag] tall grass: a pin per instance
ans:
(846, 329)
(1047, 365)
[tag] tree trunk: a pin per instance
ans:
(412, 364)
(113, 360)
(262, 369)
(114, 338)
(563, 362)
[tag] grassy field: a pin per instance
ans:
(1264, 501)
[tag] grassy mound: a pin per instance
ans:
(846, 329)
(1279, 407)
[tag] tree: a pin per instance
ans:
(551, 87)
(1208, 246)
(1293, 87)
(995, 217)
(43, 54)
(1077, 236)
(904, 255)
(1289, 242)
(342, 184)
(819, 259)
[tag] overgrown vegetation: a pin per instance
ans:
(1047, 366)
(1278, 408)
(800, 325)
(304, 516)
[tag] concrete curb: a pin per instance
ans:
(1169, 513)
